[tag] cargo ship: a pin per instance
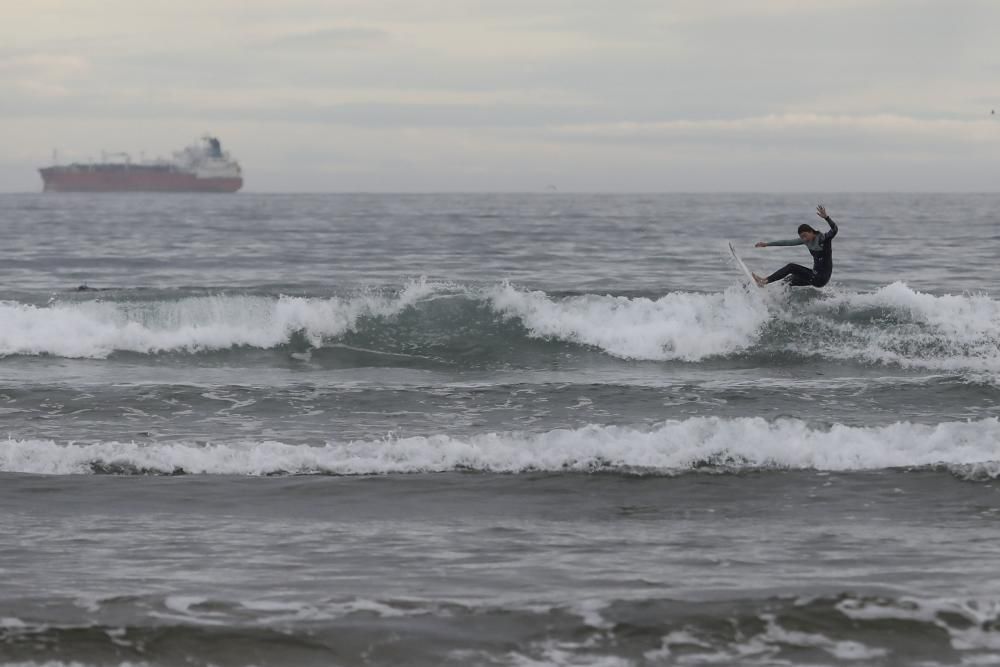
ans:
(201, 167)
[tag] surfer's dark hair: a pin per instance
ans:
(806, 228)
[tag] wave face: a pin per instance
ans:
(967, 449)
(681, 325)
(95, 329)
(894, 325)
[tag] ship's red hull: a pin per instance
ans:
(135, 179)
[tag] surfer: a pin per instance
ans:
(819, 246)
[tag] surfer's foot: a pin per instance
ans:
(761, 282)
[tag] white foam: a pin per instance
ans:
(95, 329)
(893, 325)
(589, 612)
(841, 649)
(74, 663)
(182, 603)
(669, 447)
(976, 630)
(678, 638)
(558, 654)
(680, 325)
(273, 606)
(948, 332)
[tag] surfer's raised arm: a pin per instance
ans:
(821, 212)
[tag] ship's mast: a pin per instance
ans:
(106, 155)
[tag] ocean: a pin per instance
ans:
(497, 429)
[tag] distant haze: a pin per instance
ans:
(515, 95)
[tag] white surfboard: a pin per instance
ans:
(741, 265)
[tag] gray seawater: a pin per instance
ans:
(497, 430)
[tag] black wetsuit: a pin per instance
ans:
(821, 249)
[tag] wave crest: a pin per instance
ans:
(893, 325)
(967, 448)
(95, 329)
(681, 325)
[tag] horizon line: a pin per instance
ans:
(548, 193)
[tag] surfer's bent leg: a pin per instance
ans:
(800, 275)
(821, 279)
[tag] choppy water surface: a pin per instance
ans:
(496, 429)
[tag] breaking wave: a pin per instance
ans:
(894, 325)
(96, 329)
(967, 449)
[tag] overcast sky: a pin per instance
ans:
(484, 95)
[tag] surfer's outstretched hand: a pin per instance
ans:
(760, 244)
(821, 212)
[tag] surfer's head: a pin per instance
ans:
(807, 233)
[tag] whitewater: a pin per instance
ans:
(892, 325)
(696, 444)
(498, 430)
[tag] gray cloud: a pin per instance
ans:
(329, 38)
(563, 85)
